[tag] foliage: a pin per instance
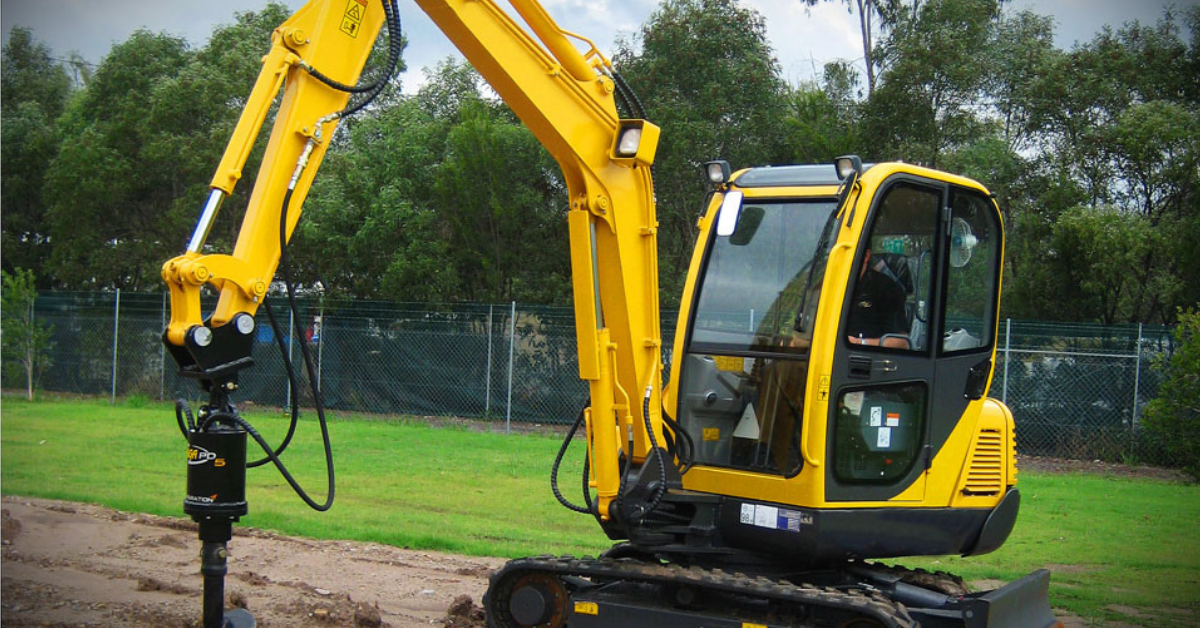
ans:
(708, 77)
(34, 89)
(431, 195)
(1173, 417)
(1091, 153)
(25, 341)
(925, 103)
(139, 146)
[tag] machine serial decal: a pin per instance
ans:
(763, 516)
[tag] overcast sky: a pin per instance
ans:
(803, 39)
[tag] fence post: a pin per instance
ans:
(487, 402)
(116, 327)
(512, 341)
(320, 340)
(290, 339)
(162, 355)
(1007, 357)
(1137, 376)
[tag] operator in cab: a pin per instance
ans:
(877, 314)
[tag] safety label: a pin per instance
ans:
(876, 416)
(352, 19)
(893, 419)
(885, 438)
(763, 516)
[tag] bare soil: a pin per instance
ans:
(75, 565)
(1043, 464)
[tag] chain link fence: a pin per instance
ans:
(1076, 390)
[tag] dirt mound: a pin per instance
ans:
(463, 613)
(75, 565)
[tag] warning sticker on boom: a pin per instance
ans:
(352, 20)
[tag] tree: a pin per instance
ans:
(1172, 418)
(498, 187)
(874, 17)
(34, 89)
(139, 148)
(822, 122)
(926, 102)
(708, 77)
(26, 341)
(1116, 117)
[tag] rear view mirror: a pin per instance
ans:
(747, 225)
(727, 216)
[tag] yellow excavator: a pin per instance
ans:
(827, 401)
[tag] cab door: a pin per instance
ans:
(915, 336)
(884, 366)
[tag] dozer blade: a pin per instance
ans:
(1024, 603)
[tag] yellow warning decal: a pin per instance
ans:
(587, 608)
(711, 434)
(747, 624)
(728, 363)
(352, 20)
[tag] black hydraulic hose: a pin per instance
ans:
(662, 466)
(318, 400)
(229, 417)
(686, 444)
(629, 95)
(395, 45)
(587, 488)
(291, 375)
(558, 461)
(181, 408)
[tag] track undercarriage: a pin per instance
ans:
(551, 592)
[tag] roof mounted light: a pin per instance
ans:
(718, 171)
(846, 165)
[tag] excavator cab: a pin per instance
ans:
(834, 352)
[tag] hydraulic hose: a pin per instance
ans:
(662, 467)
(562, 450)
(395, 47)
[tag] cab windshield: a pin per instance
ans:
(761, 284)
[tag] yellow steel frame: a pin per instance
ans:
(565, 98)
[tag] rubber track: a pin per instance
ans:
(863, 602)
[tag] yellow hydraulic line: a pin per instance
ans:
(604, 430)
(275, 67)
(548, 31)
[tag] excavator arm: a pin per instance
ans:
(565, 97)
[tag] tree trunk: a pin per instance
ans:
(29, 372)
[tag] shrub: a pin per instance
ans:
(1173, 417)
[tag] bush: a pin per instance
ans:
(1173, 417)
(24, 342)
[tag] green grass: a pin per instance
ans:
(1110, 542)
(400, 483)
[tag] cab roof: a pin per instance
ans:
(789, 176)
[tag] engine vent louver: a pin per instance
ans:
(986, 476)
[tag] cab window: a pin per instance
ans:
(889, 306)
(973, 255)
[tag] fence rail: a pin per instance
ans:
(1076, 390)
